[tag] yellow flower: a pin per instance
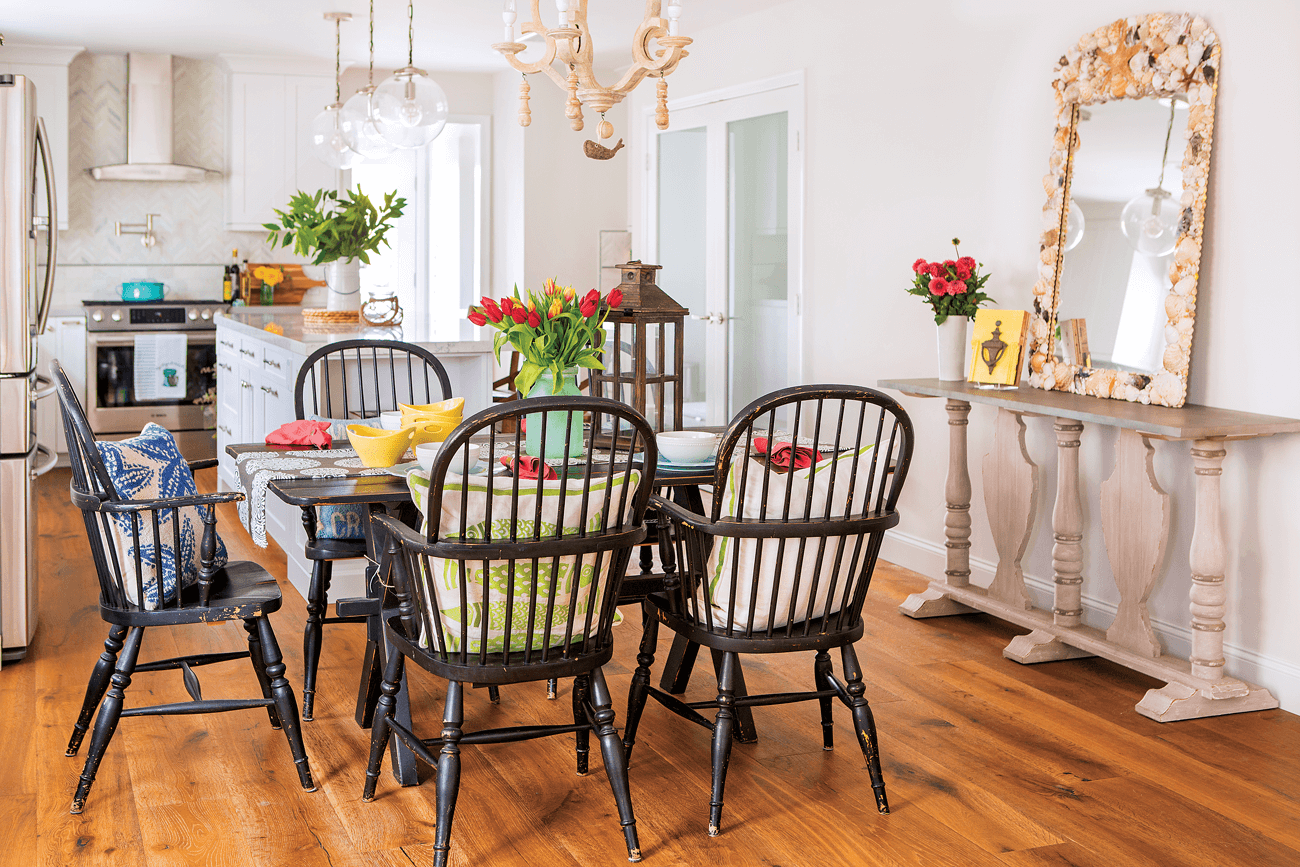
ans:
(569, 293)
(556, 306)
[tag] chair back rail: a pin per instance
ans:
(548, 555)
(142, 525)
(813, 553)
(362, 378)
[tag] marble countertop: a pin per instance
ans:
(252, 322)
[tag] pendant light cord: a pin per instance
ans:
(371, 81)
(410, 33)
(1169, 130)
(337, 50)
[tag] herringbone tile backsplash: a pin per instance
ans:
(193, 245)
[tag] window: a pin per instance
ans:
(436, 261)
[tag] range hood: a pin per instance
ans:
(148, 126)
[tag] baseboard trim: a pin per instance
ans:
(1279, 676)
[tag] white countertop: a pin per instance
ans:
(252, 322)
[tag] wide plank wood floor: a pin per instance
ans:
(987, 762)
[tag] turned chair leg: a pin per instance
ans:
(285, 705)
(601, 714)
(98, 685)
(722, 736)
(822, 677)
(259, 666)
(317, 601)
(640, 689)
(110, 711)
(864, 723)
(581, 740)
(379, 730)
(448, 783)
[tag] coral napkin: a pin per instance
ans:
(528, 467)
(783, 454)
(301, 433)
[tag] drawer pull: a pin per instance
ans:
(270, 391)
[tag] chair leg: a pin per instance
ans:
(821, 676)
(581, 684)
(109, 714)
(98, 685)
(601, 715)
(379, 730)
(864, 723)
(448, 783)
(285, 706)
(494, 693)
(317, 601)
(636, 694)
(722, 735)
(259, 666)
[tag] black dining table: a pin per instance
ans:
(388, 494)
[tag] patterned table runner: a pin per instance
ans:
(258, 468)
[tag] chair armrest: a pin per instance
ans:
(205, 464)
(127, 506)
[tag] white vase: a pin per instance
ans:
(952, 349)
(343, 277)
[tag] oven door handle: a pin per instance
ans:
(118, 339)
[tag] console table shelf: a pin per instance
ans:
(1135, 525)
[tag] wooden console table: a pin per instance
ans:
(1135, 525)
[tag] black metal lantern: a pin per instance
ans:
(643, 353)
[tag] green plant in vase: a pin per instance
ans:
(556, 333)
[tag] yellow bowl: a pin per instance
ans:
(410, 418)
(430, 431)
(378, 447)
(452, 405)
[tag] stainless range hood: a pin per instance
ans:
(148, 126)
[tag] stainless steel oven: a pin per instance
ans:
(114, 409)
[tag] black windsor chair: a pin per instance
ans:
(793, 554)
(516, 580)
(238, 591)
(353, 379)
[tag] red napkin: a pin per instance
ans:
(783, 453)
(528, 467)
(301, 433)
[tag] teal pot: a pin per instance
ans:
(556, 422)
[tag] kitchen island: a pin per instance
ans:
(256, 373)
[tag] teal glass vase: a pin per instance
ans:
(560, 427)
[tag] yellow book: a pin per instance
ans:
(997, 348)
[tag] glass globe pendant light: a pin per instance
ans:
(358, 120)
(327, 128)
(1074, 224)
(1150, 221)
(411, 107)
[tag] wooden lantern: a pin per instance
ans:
(643, 350)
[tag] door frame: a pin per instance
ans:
(791, 87)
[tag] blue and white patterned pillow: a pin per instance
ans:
(150, 467)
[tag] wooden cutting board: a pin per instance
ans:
(294, 285)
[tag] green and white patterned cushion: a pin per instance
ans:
(485, 590)
(725, 554)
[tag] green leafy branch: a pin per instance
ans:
(329, 227)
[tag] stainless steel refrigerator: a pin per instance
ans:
(27, 254)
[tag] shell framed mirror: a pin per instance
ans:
(1124, 222)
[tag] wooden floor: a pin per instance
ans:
(987, 762)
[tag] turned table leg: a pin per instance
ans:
(957, 494)
(1209, 595)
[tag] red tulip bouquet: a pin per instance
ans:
(553, 330)
(951, 288)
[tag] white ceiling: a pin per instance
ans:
(449, 34)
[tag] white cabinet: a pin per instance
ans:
(254, 394)
(47, 67)
(64, 339)
(268, 149)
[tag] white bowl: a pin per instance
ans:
(426, 453)
(686, 446)
(391, 420)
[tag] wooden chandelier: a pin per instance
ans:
(656, 50)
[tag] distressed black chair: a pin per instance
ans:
(237, 591)
(782, 562)
(352, 380)
(516, 580)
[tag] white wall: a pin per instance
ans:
(932, 119)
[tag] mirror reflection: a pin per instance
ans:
(1125, 189)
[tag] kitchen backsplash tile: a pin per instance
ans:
(193, 245)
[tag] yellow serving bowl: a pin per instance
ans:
(378, 447)
(443, 410)
(430, 431)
